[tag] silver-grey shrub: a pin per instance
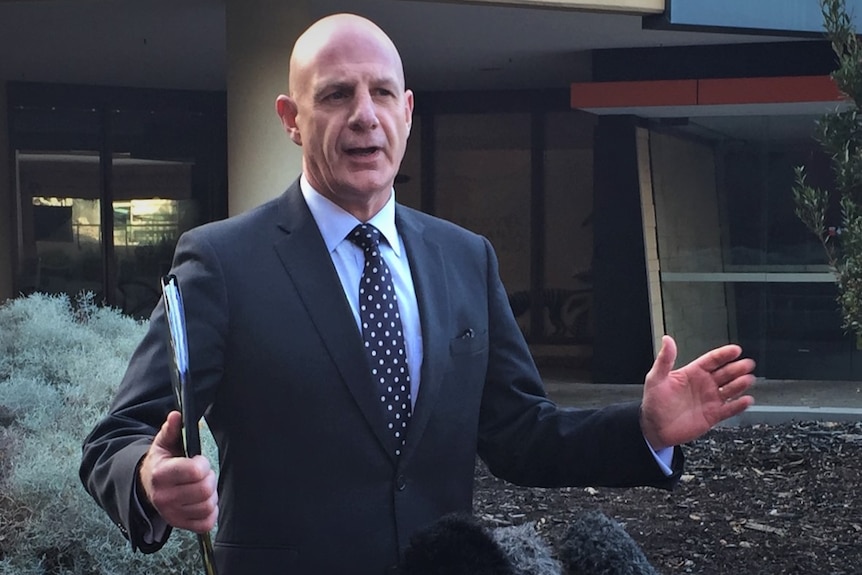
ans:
(60, 363)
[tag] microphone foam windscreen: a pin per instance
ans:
(595, 544)
(455, 545)
(528, 551)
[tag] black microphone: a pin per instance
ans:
(595, 544)
(455, 544)
(458, 545)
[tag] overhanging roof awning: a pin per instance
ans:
(625, 6)
(709, 97)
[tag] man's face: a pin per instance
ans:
(351, 115)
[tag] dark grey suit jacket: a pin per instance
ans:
(305, 484)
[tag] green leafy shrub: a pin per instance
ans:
(840, 135)
(60, 364)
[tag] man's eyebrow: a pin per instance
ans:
(332, 86)
(389, 81)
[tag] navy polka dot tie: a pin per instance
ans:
(384, 338)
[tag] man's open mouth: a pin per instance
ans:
(362, 151)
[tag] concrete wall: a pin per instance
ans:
(262, 161)
(482, 167)
(689, 241)
(7, 203)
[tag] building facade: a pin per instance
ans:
(631, 160)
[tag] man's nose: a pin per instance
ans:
(364, 116)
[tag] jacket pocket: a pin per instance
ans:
(469, 342)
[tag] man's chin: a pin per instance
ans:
(361, 197)
(371, 186)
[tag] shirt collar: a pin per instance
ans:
(335, 223)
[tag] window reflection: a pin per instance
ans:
(59, 222)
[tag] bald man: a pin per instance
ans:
(317, 475)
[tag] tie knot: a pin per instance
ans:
(365, 236)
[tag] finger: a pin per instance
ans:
(204, 524)
(199, 519)
(199, 511)
(169, 436)
(665, 359)
(202, 509)
(173, 490)
(736, 387)
(718, 357)
(734, 407)
(733, 370)
(179, 471)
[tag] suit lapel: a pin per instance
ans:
(303, 254)
(429, 280)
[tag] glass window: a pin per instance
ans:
(736, 263)
(105, 190)
(153, 205)
(59, 247)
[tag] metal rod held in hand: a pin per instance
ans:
(181, 379)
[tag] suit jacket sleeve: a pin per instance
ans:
(526, 439)
(115, 447)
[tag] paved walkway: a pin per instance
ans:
(776, 401)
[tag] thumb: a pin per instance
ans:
(665, 359)
(169, 437)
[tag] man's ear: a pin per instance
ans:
(408, 108)
(286, 109)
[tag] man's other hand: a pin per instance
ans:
(680, 405)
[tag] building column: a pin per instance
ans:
(262, 160)
(623, 349)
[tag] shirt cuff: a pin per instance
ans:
(663, 457)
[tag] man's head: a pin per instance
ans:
(349, 110)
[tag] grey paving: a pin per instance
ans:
(776, 401)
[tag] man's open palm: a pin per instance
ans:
(680, 405)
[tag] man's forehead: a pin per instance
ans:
(355, 73)
(339, 64)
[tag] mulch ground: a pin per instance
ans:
(757, 500)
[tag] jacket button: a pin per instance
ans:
(400, 483)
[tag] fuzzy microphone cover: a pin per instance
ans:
(455, 545)
(595, 544)
(458, 544)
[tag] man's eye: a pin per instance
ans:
(339, 95)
